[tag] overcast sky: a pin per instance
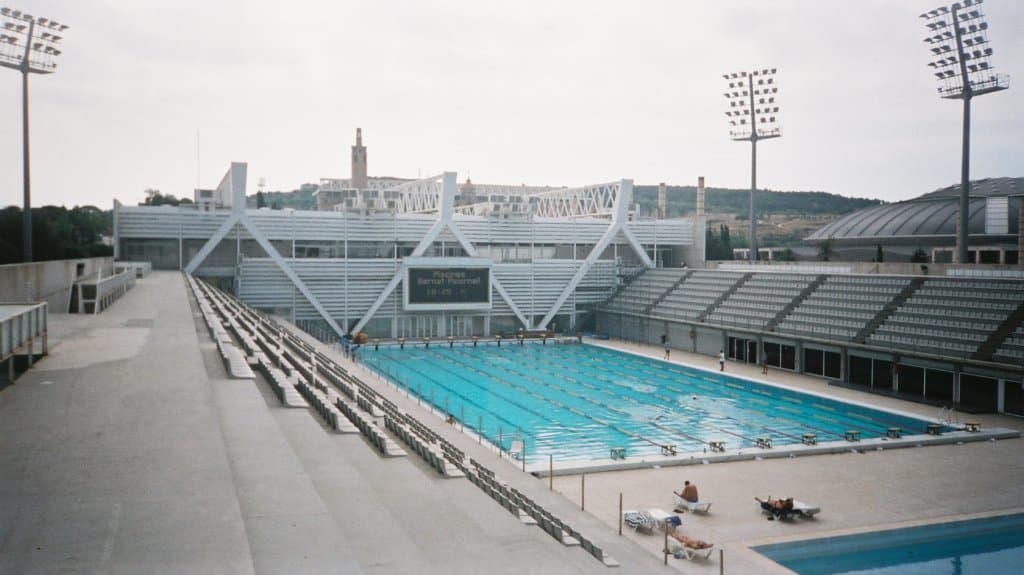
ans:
(535, 92)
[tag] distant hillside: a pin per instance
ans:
(300, 199)
(683, 199)
(680, 200)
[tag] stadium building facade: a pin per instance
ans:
(545, 255)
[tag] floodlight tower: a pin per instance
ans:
(958, 35)
(751, 113)
(29, 45)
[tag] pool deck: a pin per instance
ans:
(128, 449)
(857, 491)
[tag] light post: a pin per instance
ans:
(958, 36)
(29, 45)
(751, 113)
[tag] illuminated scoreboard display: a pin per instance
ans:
(447, 284)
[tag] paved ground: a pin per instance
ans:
(127, 450)
(857, 491)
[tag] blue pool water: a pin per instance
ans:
(576, 401)
(991, 546)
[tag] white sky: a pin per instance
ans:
(523, 91)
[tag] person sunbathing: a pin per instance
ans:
(690, 542)
(779, 508)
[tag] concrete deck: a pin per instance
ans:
(129, 450)
(860, 491)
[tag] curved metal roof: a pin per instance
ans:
(933, 214)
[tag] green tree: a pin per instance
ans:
(57, 233)
(825, 250)
(718, 246)
(155, 198)
(261, 202)
(785, 255)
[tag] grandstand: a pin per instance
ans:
(344, 270)
(842, 307)
(953, 339)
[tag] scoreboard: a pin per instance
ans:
(447, 284)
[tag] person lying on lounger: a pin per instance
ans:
(778, 508)
(690, 541)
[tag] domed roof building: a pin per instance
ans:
(928, 223)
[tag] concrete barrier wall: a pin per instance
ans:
(48, 281)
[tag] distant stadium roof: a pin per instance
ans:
(933, 214)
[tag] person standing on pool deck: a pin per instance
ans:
(721, 360)
(667, 350)
(764, 364)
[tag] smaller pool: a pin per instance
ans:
(989, 546)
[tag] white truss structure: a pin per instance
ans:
(418, 196)
(437, 195)
(588, 201)
(234, 183)
(444, 221)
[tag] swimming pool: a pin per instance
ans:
(990, 546)
(577, 402)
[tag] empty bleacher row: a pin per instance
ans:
(1012, 348)
(349, 405)
(234, 360)
(758, 300)
(530, 512)
(841, 306)
(948, 316)
(640, 293)
(691, 299)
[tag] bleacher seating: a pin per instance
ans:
(293, 366)
(759, 300)
(841, 306)
(637, 295)
(690, 299)
(949, 317)
(1012, 348)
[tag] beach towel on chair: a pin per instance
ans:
(637, 520)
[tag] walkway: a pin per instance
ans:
(128, 450)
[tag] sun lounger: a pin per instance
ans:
(682, 505)
(800, 508)
(661, 518)
(690, 553)
(805, 509)
(640, 521)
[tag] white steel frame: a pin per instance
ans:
(437, 194)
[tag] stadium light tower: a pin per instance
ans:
(752, 117)
(958, 35)
(29, 45)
